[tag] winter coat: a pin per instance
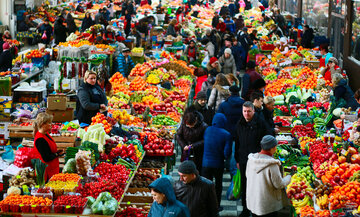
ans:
(217, 143)
(207, 87)
(329, 72)
(248, 136)
(342, 90)
(218, 95)
(171, 31)
(244, 40)
(190, 51)
(239, 55)
(307, 38)
(171, 207)
(244, 83)
(5, 61)
(98, 17)
(213, 71)
(214, 22)
(221, 27)
(90, 97)
(253, 75)
(49, 30)
(192, 136)
(223, 11)
(59, 31)
(70, 23)
(232, 109)
(124, 67)
(265, 186)
(230, 25)
(228, 64)
(232, 9)
(210, 47)
(269, 118)
(86, 23)
(205, 111)
(199, 196)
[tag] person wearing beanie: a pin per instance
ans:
(232, 109)
(258, 85)
(46, 29)
(249, 131)
(265, 183)
(227, 62)
(200, 105)
(221, 26)
(5, 58)
(195, 191)
(213, 67)
(165, 202)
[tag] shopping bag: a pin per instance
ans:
(44, 37)
(205, 61)
(237, 185)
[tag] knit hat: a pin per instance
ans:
(259, 83)
(187, 167)
(126, 50)
(268, 142)
(333, 59)
(221, 19)
(201, 95)
(6, 46)
(208, 31)
(227, 50)
(234, 89)
(213, 60)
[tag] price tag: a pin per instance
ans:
(18, 177)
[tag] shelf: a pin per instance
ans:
(30, 76)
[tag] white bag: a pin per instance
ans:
(205, 61)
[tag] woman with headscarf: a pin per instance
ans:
(220, 91)
(343, 91)
(59, 30)
(87, 22)
(191, 51)
(70, 23)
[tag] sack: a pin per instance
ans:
(205, 61)
(237, 185)
(44, 36)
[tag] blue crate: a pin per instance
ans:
(38, 62)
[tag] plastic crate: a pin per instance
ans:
(39, 62)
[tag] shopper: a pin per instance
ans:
(221, 26)
(1, 43)
(239, 55)
(253, 36)
(230, 25)
(136, 34)
(308, 36)
(208, 85)
(268, 113)
(209, 47)
(227, 62)
(343, 91)
(257, 85)
(220, 91)
(200, 105)
(70, 23)
(275, 29)
(45, 146)
(6, 58)
(125, 63)
(232, 79)
(213, 67)
(171, 28)
(252, 72)
(265, 183)
(215, 20)
(245, 41)
(249, 131)
(46, 29)
(324, 51)
(331, 69)
(190, 137)
(195, 191)
(165, 203)
(91, 98)
(87, 22)
(280, 20)
(257, 99)
(191, 51)
(60, 30)
(217, 148)
(99, 16)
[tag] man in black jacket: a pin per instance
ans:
(250, 129)
(307, 37)
(196, 192)
(5, 58)
(200, 105)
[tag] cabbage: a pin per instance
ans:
(70, 166)
(110, 207)
(96, 208)
(91, 200)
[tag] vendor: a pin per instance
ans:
(60, 30)
(91, 98)
(331, 69)
(45, 145)
(109, 35)
(324, 50)
(7, 35)
(125, 63)
(87, 22)
(171, 28)
(283, 47)
(275, 29)
(191, 51)
(5, 58)
(343, 91)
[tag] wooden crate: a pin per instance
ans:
(138, 199)
(145, 206)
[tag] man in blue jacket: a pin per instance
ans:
(165, 203)
(125, 63)
(217, 147)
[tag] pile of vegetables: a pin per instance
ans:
(24, 177)
(104, 204)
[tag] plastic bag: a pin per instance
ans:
(70, 166)
(44, 36)
(9, 155)
(96, 208)
(83, 164)
(23, 157)
(205, 61)
(229, 192)
(91, 201)
(110, 207)
(237, 185)
(104, 196)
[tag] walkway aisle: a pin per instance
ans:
(231, 208)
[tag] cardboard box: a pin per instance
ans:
(71, 105)
(5, 114)
(5, 86)
(57, 102)
(61, 116)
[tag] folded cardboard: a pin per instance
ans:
(62, 116)
(57, 102)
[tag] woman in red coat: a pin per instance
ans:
(221, 26)
(45, 145)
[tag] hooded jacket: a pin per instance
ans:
(171, 207)
(199, 196)
(217, 140)
(342, 90)
(248, 136)
(228, 64)
(218, 95)
(265, 185)
(207, 113)
(232, 109)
